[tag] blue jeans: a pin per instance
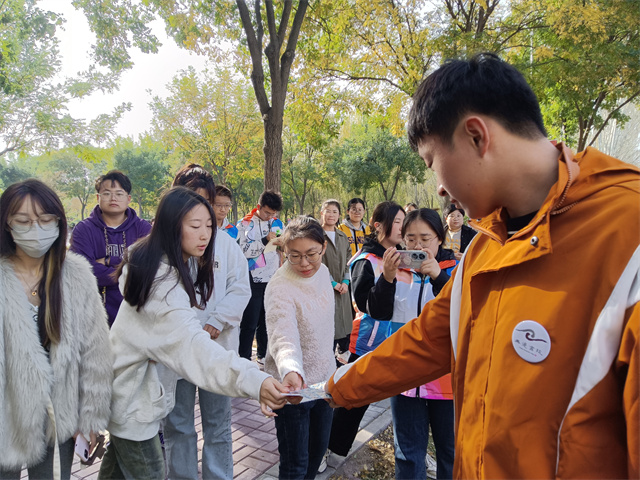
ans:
(44, 469)
(181, 440)
(132, 460)
(303, 436)
(411, 420)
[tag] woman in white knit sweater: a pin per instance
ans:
(299, 308)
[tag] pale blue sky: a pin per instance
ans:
(149, 72)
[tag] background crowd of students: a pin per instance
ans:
(545, 382)
(154, 288)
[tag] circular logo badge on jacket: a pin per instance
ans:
(531, 341)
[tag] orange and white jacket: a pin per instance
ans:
(575, 271)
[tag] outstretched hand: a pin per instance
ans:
(330, 400)
(294, 382)
(271, 397)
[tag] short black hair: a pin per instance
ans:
(114, 176)
(483, 84)
(449, 209)
(303, 226)
(223, 191)
(271, 199)
(195, 177)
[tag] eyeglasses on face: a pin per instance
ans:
(222, 206)
(118, 196)
(296, 258)
(22, 223)
(422, 241)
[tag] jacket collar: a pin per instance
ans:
(556, 202)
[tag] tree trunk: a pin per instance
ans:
(272, 151)
(279, 69)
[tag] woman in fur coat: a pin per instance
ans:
(55, 358)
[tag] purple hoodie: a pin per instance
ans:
(88, 240)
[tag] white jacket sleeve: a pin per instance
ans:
(250, 239)
(282, 330)
(233, 295)
(176, 339)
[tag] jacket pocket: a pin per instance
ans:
(150, 404)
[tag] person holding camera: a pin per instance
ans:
(431, 404)
(373, 287)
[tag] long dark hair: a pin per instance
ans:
(166, 239)
(50, 287)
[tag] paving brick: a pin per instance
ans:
(268, 457)
(89, 471)
(272, 446)
(255, 463)
(238, 414)
(238, 470)
(247, 422)
(265, 437)
(253, 442)
(245, 429)
(248, 474)
(268, 427)
(242, 453)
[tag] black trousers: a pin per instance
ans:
(345, 425)
(253, 322)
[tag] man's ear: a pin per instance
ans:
(477, 131)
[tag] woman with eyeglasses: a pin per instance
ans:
(353, 225)
(373, 282)
(299, 316)
(430, 405)
(55, 358)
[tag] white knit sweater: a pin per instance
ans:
(299, 317)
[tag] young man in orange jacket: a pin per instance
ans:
(540, 323)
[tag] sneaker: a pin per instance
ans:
(432, 467)
(323, 463)
(260, 361)
(342, 357)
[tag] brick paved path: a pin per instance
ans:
(255, 447)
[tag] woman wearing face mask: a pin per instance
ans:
(55, 358)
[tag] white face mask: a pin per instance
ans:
(37, 241)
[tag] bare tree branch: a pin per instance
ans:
(255, 49)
